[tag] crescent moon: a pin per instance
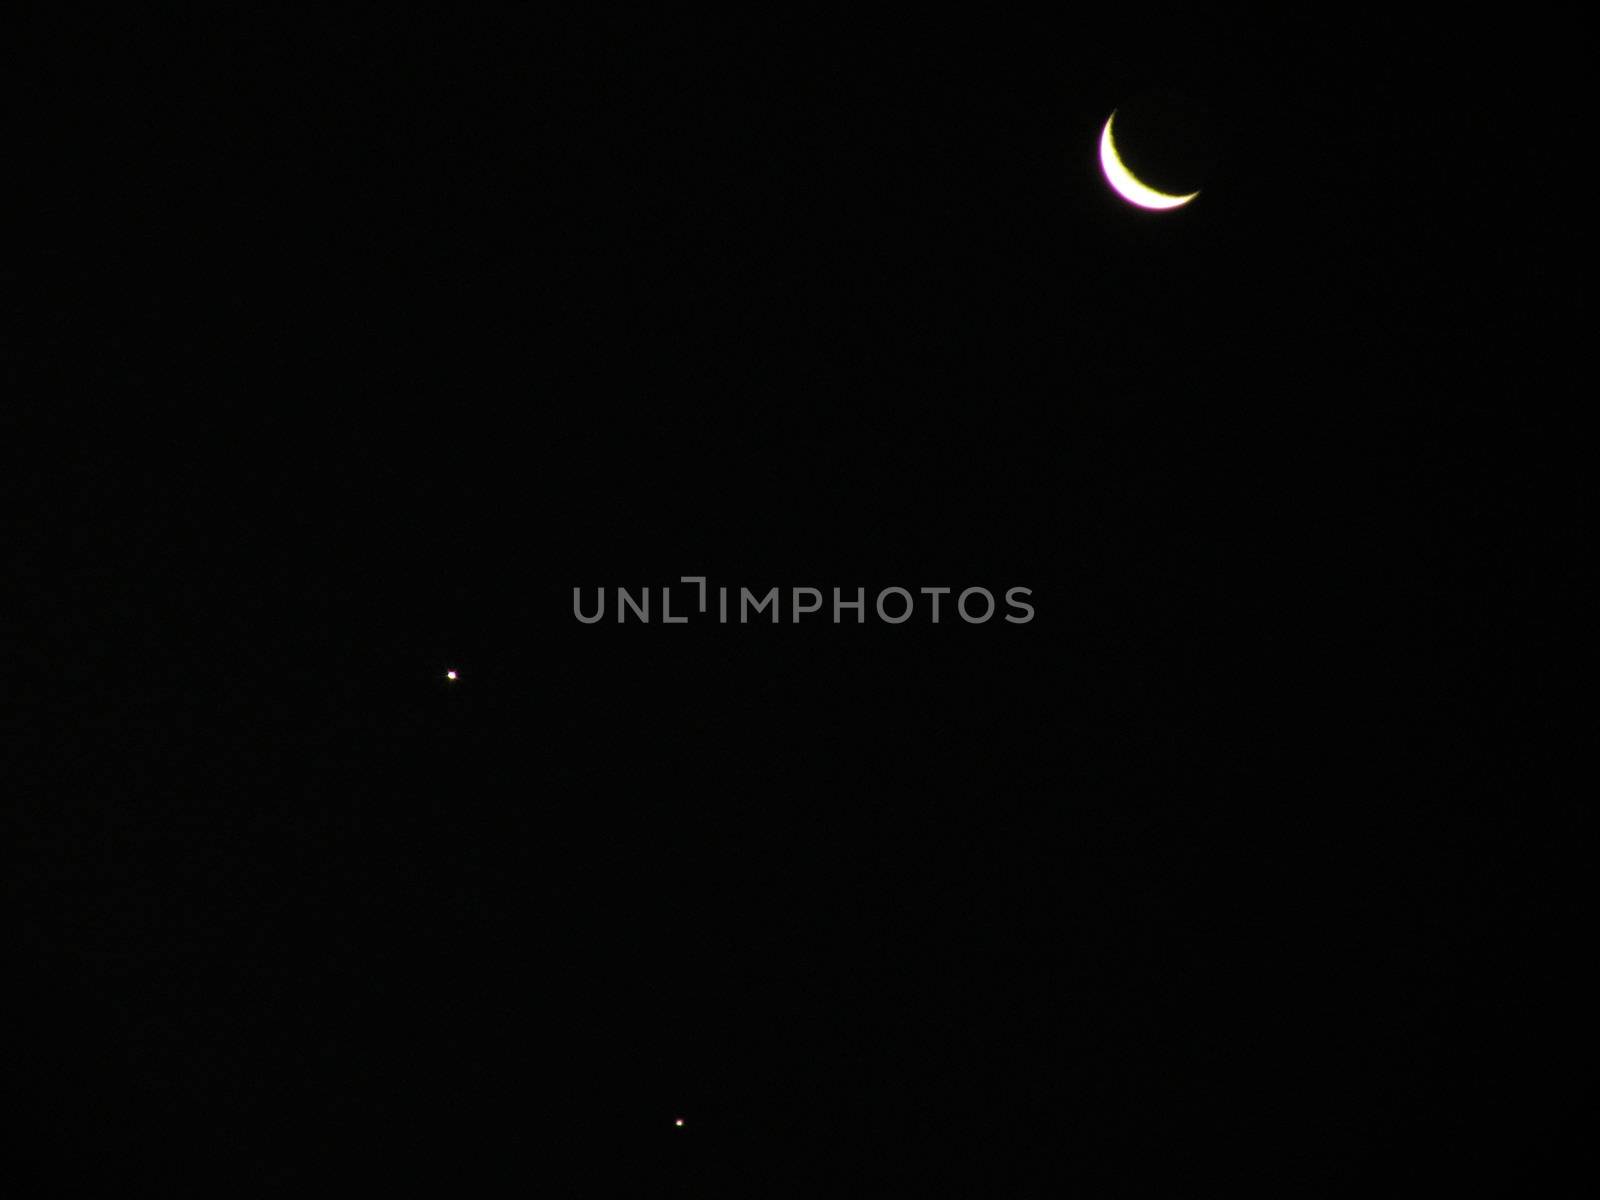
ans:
(1123, 182)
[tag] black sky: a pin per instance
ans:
(367, 340)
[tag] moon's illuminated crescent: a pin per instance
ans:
(1121, 179)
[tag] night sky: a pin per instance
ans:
(366, 340)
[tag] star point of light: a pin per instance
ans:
(452, 675)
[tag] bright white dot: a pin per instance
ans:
(679, 1121)
(450, 675)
